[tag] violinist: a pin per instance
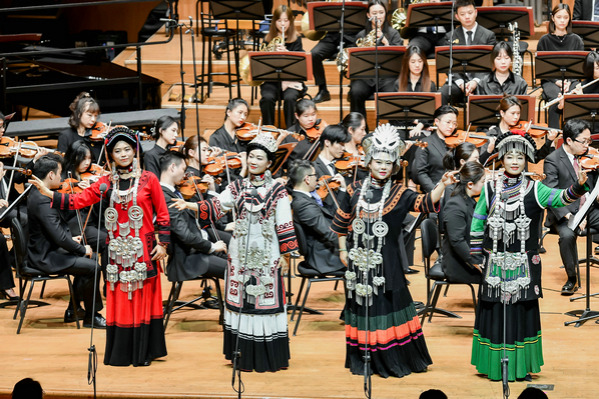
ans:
(282, 25)
(164, 132)
(332, 144)
(558, 38)
(7, 283)
(561, 168)
(192, 254)
(362, 89)
(308, 211)
(235, 116)
(84, 115)
(306, 116)
(355, 124)
(502, 80)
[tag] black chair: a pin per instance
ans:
(173, 303)
(308, 274)
(27, 274)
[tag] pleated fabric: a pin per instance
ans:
(395, 340)
(523, 341)
(263, 340)
(134, 331)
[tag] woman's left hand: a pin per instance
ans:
(449, 178)
(158, 253)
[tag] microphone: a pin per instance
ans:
(103, 188)
(368, 196)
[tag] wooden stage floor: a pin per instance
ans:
(56, 354)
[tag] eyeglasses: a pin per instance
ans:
(450, 123)
(585, 141)
(313, 174)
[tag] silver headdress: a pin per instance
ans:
(265, 140)
(384, 139)
(516, 140)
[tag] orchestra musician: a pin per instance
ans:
(224, 137)
(469, 33)
(84, 115)
(591, 72)
(561, 168)
(355, 124)
(282, 25)
(377, 26)
(586, 10)
(306, 117)
(501, 80)
(191, 254)
(558, 38)
(164, 132)
(414, 75)
(426, 38)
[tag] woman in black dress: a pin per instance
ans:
(558, 38)
(502, 80)
(282, 25)
(165, 132)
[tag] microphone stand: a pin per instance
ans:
(237, 354)
(450, 71)
(92, 361)
(182, 74)
(376, 63)
(341, 45)
(195, 73)
(504, 359)
(367, 372)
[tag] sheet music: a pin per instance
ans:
(582, 212)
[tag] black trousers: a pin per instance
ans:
(217, 266)
(455, 95)
(324, 50)
(6, 279)
(550, 92)
(83, 284)
(270, 94)
(362, 89)
(426, 41)
(567, 243)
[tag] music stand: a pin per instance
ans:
(560, 65)
(343, 17)
(588, 31)
(406, 106)
(429, 14)
(582, 106)
(482, 109)
(472, 59)
(497, 19)
(375, 62)
(279, 66)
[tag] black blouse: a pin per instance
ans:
(568, 42)
(514, 85)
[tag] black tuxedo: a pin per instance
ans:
(189, 252)
(583, 10)
(322, 244)
(51, 249)
(560, 174)
(428, 163)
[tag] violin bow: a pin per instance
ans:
(104, 143)
(77, 210)
(199, 150)
(12, 172)
(330, 190)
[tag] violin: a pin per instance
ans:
(315, 131)
(99, 131)
(349, 162)
(462, 136)
(325, 185)
(535, 131)
(177, 146)
(248, 131)
(70, 186)
(26, 172)
(590, 160)
(217, 165)
(94, 173)
(26, 149)
(192, 186)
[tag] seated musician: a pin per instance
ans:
(456, 217)
(282, 25)
(558, 38)
(561, 168)
(314, 218)
(84, 114)
(502, 80)
(306, 116)
(414, 75)
(235, 116)
(585, 10)
(428, 162)
(164, 132)
(470, 33)
(332, 146)
(355, 124)
(7, 283)
(426, 38)
(591, 72)
(193, 254)
(52, 248)
(379, 28)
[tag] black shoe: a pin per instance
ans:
(322, 96)
(6, 295)
(69, 315)
(99, 321)
(569, 288)
(418, 305)
(596, 250)
(528, 378)
(145, 364)
(211, 304)
(411, 271)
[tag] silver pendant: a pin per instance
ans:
(358, 226)
(380, 229)
(111, 217)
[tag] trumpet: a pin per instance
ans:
(556, 100)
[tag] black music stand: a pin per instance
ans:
(582, 106)
(406, 106)
(429, 14)
(560, 65)
(471, 59)
(375, 62)
(237, 10)
(588, 32)
(343, 17)
(279, 66)
(497, 19)
(482, 109)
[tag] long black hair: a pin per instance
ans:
(470, 172)
(75, 154)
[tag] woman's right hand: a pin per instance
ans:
(178, 203)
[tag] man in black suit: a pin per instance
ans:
(470, 33)
(52, 248)
(192, 254)
(586, 10)
(561, 170)
(332, 146)
(322, 244)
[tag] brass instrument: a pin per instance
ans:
(314, 35)
(244, 63)
(400, 16)
(343, 56)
